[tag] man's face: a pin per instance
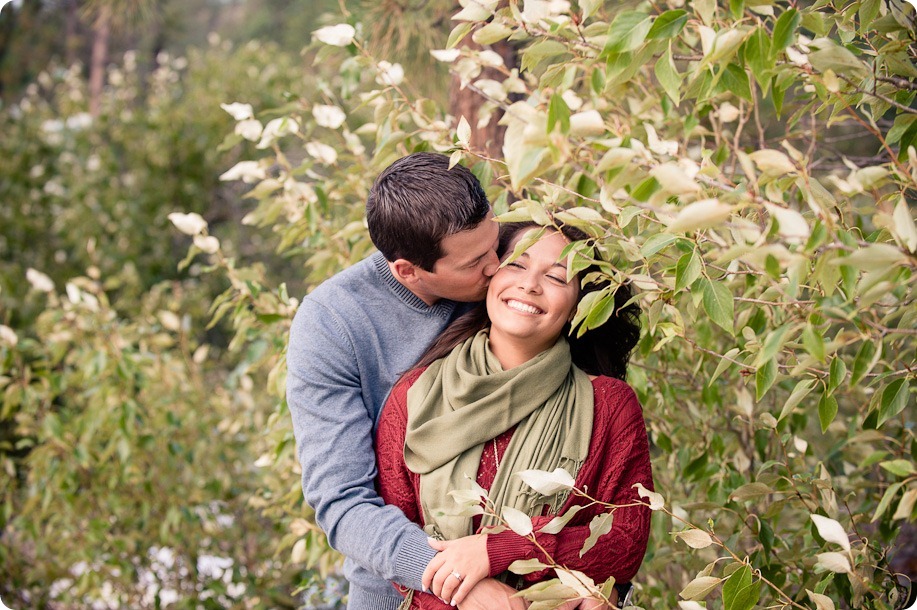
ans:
(463, 272)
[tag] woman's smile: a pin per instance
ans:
(523, 307)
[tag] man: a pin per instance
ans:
(356, 333)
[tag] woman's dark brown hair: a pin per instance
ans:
(600, 351)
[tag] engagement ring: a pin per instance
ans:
(457, 575)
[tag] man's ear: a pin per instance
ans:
(405, 271)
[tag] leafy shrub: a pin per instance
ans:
(695, 145)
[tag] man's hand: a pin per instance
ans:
(490, 594)
(466, 557)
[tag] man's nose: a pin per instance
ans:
(491, 264)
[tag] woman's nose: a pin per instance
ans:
(529, 282)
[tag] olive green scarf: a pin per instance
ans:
(466, 399)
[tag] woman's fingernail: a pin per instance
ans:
(452, 603)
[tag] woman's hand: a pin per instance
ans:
(466, 557)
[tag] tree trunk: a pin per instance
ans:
(467, 102)
(71, 36)
(101, 37)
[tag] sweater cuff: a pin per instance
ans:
(413, 556)
(505, 548)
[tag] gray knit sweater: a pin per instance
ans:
(351, 339)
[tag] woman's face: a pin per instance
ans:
(530, 300)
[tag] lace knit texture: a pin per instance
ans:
(618, 458)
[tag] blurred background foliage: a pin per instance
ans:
(746, 164)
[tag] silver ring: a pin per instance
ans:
(458, 576)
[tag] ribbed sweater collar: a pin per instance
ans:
(442, 308)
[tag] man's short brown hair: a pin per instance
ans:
(417, 201)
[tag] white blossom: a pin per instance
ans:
(585, 123)
(210, 566)
(189, 224)
(339, 35)
(239, 111)
(727, 112)
(8, 335)
(250, 129)
(79, 121)
(39, 280)
(168, 597)
(322, 152)
(490, 58)
(800, 59)
(572, 100)
(536, 10)
(207, 243)
(660, 147)
(445, 55)
(331, 117)
(246, 171)
(276, 129)
(390, 74)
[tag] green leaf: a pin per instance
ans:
(765, 377)
(869, 10)
(773, 343)
(750, 490)
(526, 566)
(599, 526)
(785, 30)
(494, 31)
(835, 57)
(736, 8)
(657, 242)
(900, 468)
(734, 79)
(627, 32)
(458, 33)
(555, 525)
(668, 76)
(718, 304)
(589, 7)
(886, 500)
(700, 587)
(758, 55)
(801, 390)
(740, 592)
(827, 410)
(836, 374)
(600, 313)
(813, 342)
(687, 270)
(668, 24)
(724, 363)
(865, 360)
(894, 399)
(541, 50)
(558, 112)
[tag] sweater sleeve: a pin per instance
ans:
(334, 437)
(621, 452)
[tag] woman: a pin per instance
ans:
(505, 390)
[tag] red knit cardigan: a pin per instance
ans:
(618, 458)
